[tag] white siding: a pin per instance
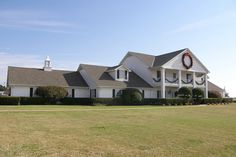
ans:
(82, 93)
(150, 93)
(176, 63)
(79, 92)
(20, 91)
(104, 93)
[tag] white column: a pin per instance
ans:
(206, 86)
(163, 83)
(194, 80)
(180, 78)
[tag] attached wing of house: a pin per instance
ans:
(214, 87)
(24, 81)
(106, 81)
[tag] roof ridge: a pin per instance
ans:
(141, 53)
(180, 50)
(40, 69)
(94, 65)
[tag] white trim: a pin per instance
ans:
(207, 71)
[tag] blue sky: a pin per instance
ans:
(102, 31)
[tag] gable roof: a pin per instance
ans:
(146, 58)
(162, 59)
(154, 61)
(214, 87)
(102, 78)
(39, 77)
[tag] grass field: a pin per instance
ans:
(183, 131)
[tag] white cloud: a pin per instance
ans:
(221, 18)
(21, 60)
(34, 20)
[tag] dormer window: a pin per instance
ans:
(126, 74)
(118, 74)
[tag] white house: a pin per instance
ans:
(168, 72)
(155, 76)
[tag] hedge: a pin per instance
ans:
(172, 101)
(227, 100)
(108, 101)
(217, 100)
(36, 101)
(9, 100)
(77, 101)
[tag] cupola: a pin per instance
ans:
(47, 64)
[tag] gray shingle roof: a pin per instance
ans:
(214, 87)
(156, 61)
(113, 68)
(162, 59)
(39, 77)
(146, 58)
(103, 79)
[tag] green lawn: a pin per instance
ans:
(205, 131)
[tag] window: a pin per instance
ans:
(143, 92)
(31, 92)
(158, 94)
(126, 74)
(174, 75)
(158, 74)
(73, 93)
(118, 74)
(113, 93)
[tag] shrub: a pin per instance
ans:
(197, 93)
(77, 101)
(51, 92)
(184, 92)
(9, 100)
(2, 88)
(214, 94)
(131, 96)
